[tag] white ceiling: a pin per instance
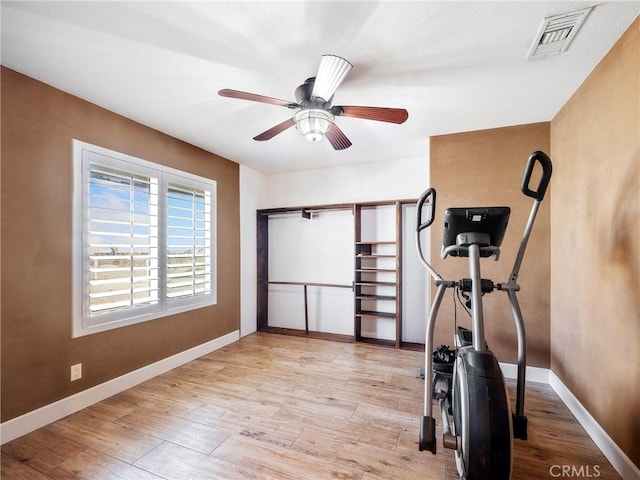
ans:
(455, 66)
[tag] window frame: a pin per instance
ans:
(83, 323)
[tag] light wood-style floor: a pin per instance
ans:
(281, 407)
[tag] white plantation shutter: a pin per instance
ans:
(122, 239)
(144, 240)
(188, 244)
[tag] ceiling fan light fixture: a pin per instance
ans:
(313, 123)
(331, 73)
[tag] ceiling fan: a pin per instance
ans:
(315, 116)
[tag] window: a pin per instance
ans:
(144, 240)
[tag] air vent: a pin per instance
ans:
(556, 33)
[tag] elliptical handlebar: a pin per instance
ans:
(537, 195)
(429, 192)
(545, 162)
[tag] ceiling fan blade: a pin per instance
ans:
(273, 131)
(337, 138)
(331, 73)
(381, 114)
(226, 92)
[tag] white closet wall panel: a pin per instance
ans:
(415, 280)
(316, 250)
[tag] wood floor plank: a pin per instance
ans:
(380, 391)
(263, 461)
(172, 461)
(111, 408)
(282, 407)
(104, 436)
(385, 417)
(270, 430)
(154, 395)
(13, 469)
(57, 457)
(381, 462)
(346, 429)
(194, 435)
(312, 406)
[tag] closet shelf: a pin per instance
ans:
(371, 313)
(383, 242)
(375, 297)
(375, 284)
(376, 270)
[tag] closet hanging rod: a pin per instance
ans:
(314, 209)
(332, 206)
(310, 284)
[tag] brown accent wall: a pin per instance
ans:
(595, 243)
(485, 168)
(38, 125)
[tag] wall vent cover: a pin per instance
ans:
(556, 33)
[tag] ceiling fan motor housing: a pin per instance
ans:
(303, 96)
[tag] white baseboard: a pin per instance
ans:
(620, 461)
(16, 427)
(532, 374)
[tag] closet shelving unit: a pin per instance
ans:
(378, 276)
(377, 280)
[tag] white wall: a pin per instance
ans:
(253, 193)
(415, 280)
(389, 180)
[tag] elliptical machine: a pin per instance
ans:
(473, 391)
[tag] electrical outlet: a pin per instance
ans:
(76, 372)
